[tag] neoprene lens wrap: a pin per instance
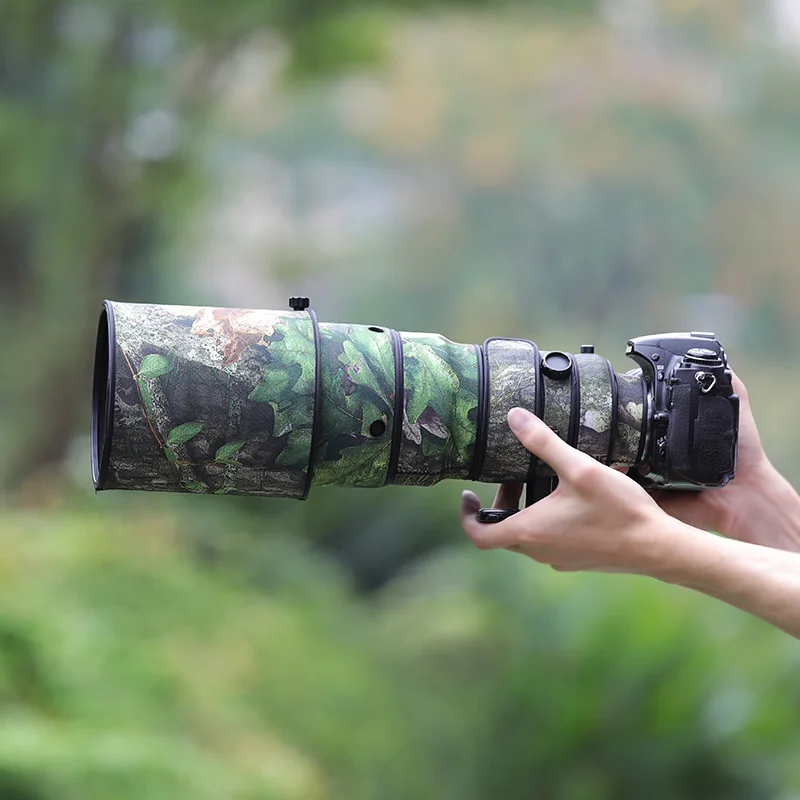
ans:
(241, 401)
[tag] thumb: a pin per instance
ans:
(536, 437)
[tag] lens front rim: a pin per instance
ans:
(103, 388)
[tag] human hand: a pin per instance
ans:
(758, 506)
(596, 519)
(599, 519)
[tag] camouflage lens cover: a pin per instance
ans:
(357, 408)
(629, 428)
(230, 401)
(512, 372)
(440, 409)
(596, 414)
(210, 400)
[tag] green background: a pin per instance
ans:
(564, 172)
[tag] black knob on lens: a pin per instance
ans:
(701, 355)
(299, 303)
(587, 348)
(557, 364)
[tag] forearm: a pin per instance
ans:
(763, 581)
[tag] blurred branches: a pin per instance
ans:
(103, 108)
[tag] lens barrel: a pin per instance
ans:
(242, 401)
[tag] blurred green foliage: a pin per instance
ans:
(128, 671)
(562, 171)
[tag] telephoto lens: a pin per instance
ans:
(271, 403)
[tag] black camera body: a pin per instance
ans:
(691, 411)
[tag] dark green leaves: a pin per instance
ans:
(430, 381)
(295, 349)
(144, 392)
(298, 448)
(357, 391)
(358, 369)
(227, 452)
(362, 465)
(294, 416)
(261, 393)
(274, 384)
(183, 433)
(154, 365)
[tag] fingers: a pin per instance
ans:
(545, 444)
(739, 388)
(484, 536)
(508, 495)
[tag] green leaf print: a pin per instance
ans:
(273, 385)
(291, 417)
(296, 453)
(183, 433)
(358, 369)
(228, 451)
(430, 381)
(144, 391)
(154, 365)
(362, 465)
(376, 348)
(297, 348)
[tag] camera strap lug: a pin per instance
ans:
(705, 380)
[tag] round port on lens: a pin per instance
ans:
(378, 428)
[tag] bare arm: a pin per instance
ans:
(598, 519)
(760, 580)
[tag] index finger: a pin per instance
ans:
(508, 495)
(544, 443)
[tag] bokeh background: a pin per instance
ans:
(568, 172)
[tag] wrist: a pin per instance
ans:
(770, 515)
(679, 553)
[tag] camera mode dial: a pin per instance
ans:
(704, 356)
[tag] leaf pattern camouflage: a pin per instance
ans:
(596, 403)
(358, 391)
(211, 400)
(440, 413)
(214, 400)
(557, 410)
(630, 411)
(512, 382)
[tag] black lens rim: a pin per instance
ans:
(103, 390)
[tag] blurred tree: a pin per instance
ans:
(102, 112)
